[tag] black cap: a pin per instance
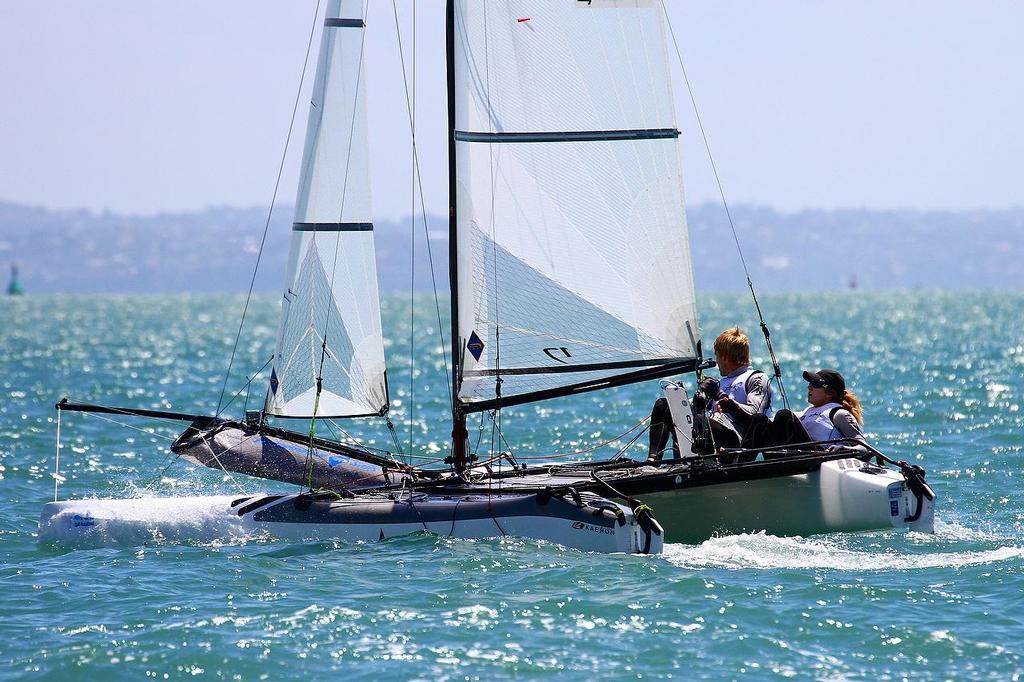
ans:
(830, 378)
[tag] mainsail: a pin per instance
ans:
(573, 263)
(330, 319)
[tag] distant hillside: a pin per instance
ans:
(215, 250)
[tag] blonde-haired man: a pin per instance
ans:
(731, 401)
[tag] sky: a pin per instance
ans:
(145, 107)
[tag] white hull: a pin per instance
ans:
(133, 522)
(843, 496)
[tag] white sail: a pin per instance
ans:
(331, 296)
(572, 248)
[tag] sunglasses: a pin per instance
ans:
(818, 383)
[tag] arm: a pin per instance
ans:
(848, 427)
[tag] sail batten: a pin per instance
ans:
(332, 227)
(342, 22)
(573, 267)
(559, 369)
(567, 135)
(329, 358)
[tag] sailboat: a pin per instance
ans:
(570, 272)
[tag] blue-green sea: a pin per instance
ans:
(941, 376)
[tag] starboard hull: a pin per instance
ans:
(799, 495)
(842, 496)
(594, 525)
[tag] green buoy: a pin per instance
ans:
(14, 288)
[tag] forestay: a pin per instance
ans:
(331, 293)
(573, 255)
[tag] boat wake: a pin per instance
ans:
(148, 521)
(955, 531)
(763, 551)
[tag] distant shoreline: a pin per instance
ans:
(214, 251)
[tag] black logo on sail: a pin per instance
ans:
(550, 352)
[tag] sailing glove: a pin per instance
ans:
(710, 387)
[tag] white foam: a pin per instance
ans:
(952, 530)
(107, 523)
(769, 552)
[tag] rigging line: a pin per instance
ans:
(499, 458)
(220, 464)
(412, 505)
(270, 211)
(331, 426)
(167, 461)
(170, 458)
(428, 460)
(728, 213)
(334, 426)
(501, 435)
(423, 208)
(455, 512)
(707, 145)
(248, 383)
(165, 464)
(496, 412)
(394, 438)
(632, 441)
(479, 433)
(56, 462)
(134, 428)
(593, 447)
(475, 450)
(316, 407)
(494, 429)
(608, 485)
(412, 240)
(412, 234)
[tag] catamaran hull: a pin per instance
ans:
(842, 496)
(282, 457)
(796, 495)
(595, 524)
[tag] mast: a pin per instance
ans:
(460, 436)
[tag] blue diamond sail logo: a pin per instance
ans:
(475, 346)
(274, 383)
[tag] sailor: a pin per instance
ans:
(835, 413)
(731, 401)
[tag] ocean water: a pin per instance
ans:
(942, 380)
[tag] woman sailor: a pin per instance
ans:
(834, 414)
